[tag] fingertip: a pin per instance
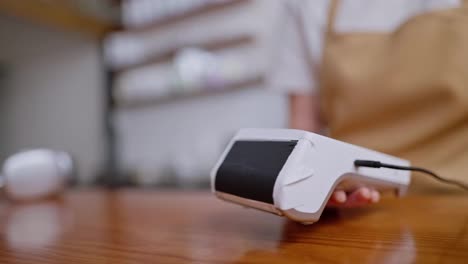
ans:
(365, 193)
(339, 196)
(375, 196)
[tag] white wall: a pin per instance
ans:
(53, 93)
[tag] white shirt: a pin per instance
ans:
(298, 54)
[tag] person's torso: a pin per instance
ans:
(403, 91)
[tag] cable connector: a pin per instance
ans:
(368, 163)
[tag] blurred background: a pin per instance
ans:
(139, 92)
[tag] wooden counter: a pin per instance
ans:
(150, 226)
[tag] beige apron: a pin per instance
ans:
(404, 93)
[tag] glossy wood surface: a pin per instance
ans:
(135, 226)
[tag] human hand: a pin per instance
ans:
(357, 198)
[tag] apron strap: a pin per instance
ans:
(333, 9)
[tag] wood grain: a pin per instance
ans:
(150, 226)
(56, 13)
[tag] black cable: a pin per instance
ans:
(378, 164)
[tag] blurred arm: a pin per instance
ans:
(304, 112)
(295, 62)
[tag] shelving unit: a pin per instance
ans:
(223, 29)
(162, 56)
(201, 10)
(187, 96)
(212, 45)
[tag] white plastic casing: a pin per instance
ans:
(316, 166)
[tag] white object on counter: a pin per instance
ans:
(36, 173)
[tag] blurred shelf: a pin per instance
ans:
(194, 12)
(243, 85)
(56, 13)
(212, 45)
